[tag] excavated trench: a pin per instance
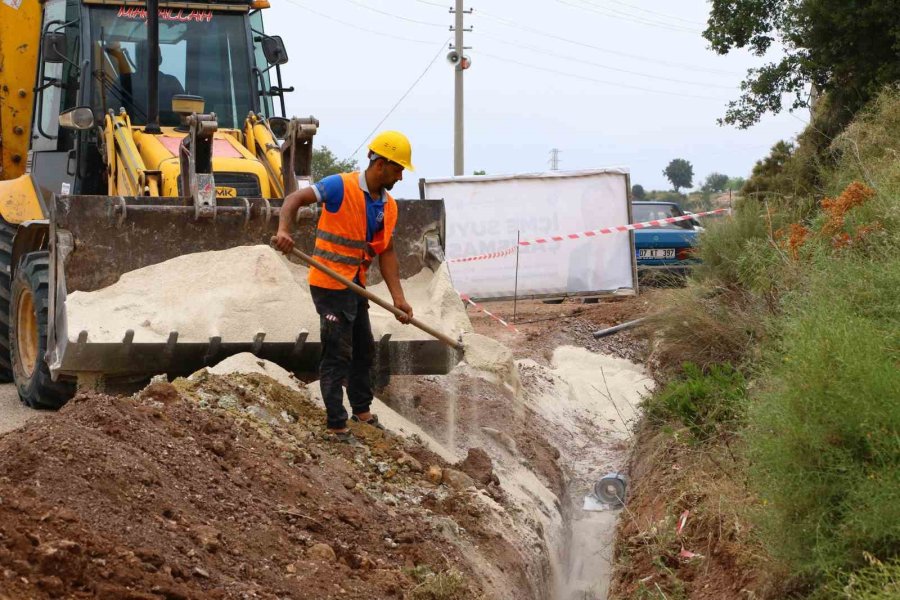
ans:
(543, 420)
(533, 446)
(551, 432)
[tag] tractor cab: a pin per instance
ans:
(98, 55)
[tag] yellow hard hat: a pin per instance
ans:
(395, 147)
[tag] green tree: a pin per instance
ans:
(638, 193)
(846, 50)
(735, 183)
(769, 173)
(325, 163)
(680, 173)
(715, 182)
(479, 172)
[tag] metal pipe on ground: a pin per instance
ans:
(620, 327)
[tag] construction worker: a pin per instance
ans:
(356, 225)
(131, 91)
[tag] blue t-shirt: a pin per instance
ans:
(330, 192)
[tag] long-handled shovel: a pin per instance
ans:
(309, 260)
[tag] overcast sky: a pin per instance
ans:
(608, 82)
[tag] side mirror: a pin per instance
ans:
(53, 47)
(274, 50)
(80, 118)
(279, 127)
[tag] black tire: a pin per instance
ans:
(29, 294)
(7, 232)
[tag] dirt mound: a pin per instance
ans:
(544, 327)
(225, 487)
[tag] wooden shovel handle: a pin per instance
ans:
(309, 260)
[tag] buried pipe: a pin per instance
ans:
(621, 327)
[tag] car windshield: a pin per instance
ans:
(203, 53)
(653, 212)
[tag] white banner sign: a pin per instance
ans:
(484, 214)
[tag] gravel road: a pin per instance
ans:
(13, 414)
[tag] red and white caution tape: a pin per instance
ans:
(489, 255)
(585, 234)
(679, 529)
(487, 312)
(682, 521)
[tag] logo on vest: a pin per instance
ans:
(380, 217)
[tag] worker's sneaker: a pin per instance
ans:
(373, 421)
(343, 437)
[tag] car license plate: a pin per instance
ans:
(656, 253)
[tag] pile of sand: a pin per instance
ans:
(434, 301)
(490, 359)
(237, 293)
(584, 390)
(245, 362)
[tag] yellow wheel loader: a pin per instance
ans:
(133, 133)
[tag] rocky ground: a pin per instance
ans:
(225, 487)
(222, 488)
(544, 327)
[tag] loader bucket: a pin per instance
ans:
(95, 239)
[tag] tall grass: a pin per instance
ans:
(825, 434)
(807, 300)
(704, 326)
(878, 581)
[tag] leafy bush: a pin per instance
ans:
(825, 434)
(708, 404)
(745, 251)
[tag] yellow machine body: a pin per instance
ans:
(20, 26)
(85, 202)
(19, 200)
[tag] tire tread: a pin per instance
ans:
(40, 391)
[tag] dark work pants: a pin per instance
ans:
(348, 352)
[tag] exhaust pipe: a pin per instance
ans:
(153, 67)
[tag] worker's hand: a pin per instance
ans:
(116, 53)
(405, 307)
(283, 242)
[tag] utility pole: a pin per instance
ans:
(554, 159)
(460, 63)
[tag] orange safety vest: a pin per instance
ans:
(341, 236)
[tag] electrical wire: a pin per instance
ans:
(652, 12)
(526, 65)
(603, 66)
(618, 14)
(595, 80)
(395, 16)
(374, 31)
(440, 51)
(509, 23)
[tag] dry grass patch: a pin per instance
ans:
(704, 326)
(676, 479)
